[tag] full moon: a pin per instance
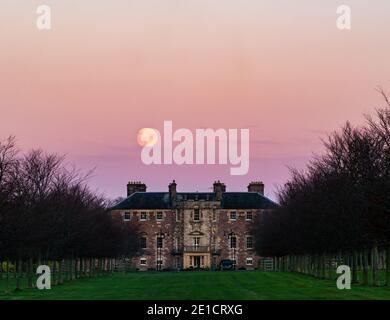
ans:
(147, 137)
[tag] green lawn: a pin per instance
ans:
(200, 285)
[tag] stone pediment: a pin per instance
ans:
(196, 233)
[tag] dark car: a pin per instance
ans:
(226, 265)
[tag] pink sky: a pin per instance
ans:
(107, 69)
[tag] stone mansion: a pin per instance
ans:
(185, 230)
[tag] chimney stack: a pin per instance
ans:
(135, 186)
(256, 186)
(172, 191)
(219, 188)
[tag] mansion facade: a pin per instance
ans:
(186, 230)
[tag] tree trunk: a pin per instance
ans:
(60, 274)
(89, 267)
(15, 269)
(71, 275)
(365, 266)
(81, 265)
(388, 266)
(328, 274)
(354, 267)
(54, 273)
(312, 265)
(307, 261)
(7, 274)
(18, 275)
(29, 274)
(375, 276)
(318, 266)
(69, 269)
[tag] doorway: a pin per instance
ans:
(196, 261)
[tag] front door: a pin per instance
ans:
(196, 261)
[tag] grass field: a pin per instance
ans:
(250, 285)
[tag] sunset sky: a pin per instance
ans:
(280, 68)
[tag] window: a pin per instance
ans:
(159, 215)
(233, 215)
(160, 242)
(196, 215)
(126, 216)
(233, 242)
(177, 263)
(249, 242)
(249, 216)
(142, 261)
(177, 215)
(144, 216)
(144, 242)
(249, 261)
(214, 262)
(196, 241)
(159, 262)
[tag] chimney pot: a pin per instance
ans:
(256, 186)
(172, 190)
(135, 186)
(219, 188)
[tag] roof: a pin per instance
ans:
(161, 200)
(246, 200)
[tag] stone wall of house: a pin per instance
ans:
(240, 229)
(178, 228)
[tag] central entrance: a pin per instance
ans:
(196, 260)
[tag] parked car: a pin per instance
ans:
(226, 264)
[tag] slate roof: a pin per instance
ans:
(161, 200)
(246, 200)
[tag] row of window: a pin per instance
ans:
(144, 216)
(144, 242)
(196, 216)
(248, 244)
(196, 242)
(143, 261)
(232, 215)
(248, 215)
